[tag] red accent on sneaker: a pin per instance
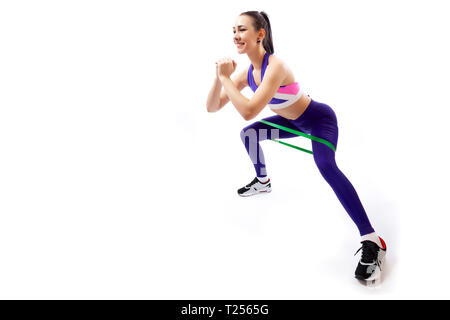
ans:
(383, 244)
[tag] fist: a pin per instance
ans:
(225, 67)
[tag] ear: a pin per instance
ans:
(262, 34)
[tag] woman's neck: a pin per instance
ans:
(256, 58)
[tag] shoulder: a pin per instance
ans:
(277, 63)
(276, 70)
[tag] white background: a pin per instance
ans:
(116, 183)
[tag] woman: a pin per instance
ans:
(274, 85)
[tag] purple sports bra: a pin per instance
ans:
(285, 95)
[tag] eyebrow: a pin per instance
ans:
(240, 26)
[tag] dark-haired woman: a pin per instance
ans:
(274, 85)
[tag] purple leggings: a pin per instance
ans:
(320, 121)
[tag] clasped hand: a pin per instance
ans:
(225, 67)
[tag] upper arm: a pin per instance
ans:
(240, 81)
(273, 78)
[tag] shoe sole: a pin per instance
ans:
(252, 194)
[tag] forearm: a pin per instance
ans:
(213, 101)
(239, 101)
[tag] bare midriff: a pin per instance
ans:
(296, 109)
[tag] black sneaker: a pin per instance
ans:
(254, 187)
(372, 258)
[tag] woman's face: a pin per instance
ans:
(244, 35)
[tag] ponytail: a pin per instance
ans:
(267, 42)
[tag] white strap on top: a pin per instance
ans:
(289, 97)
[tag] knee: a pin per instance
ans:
(252, 134)
(327, 167)
(243, 135)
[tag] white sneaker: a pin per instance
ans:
(370, 265)
(254, 187)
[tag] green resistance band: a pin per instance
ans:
(325, 142)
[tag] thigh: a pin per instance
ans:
(325, 128)
(271, 132)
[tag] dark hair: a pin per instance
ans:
(261, 21)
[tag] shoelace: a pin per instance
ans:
(252, 183)
(369, 252)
